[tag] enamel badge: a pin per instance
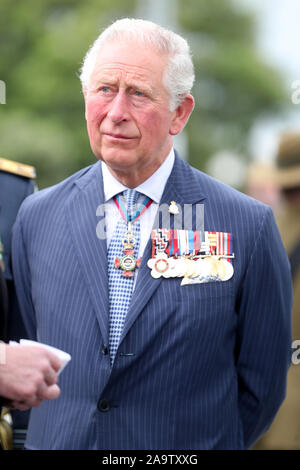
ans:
(173, 208)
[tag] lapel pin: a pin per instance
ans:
(173, 209)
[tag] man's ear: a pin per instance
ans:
(181, 115)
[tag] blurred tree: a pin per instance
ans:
(234, 86)
(43, 42)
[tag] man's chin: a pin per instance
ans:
(118, 161)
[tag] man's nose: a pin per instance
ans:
(119, 108)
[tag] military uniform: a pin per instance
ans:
(3, 302)
(285, 430)
(5, 428)
(16, 183)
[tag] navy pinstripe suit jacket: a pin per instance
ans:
(198, 367)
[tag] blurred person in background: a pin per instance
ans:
(28, 375)
(285, 430)
(261, 184)
(17, 181)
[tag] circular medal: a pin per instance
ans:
(208, 271)
(211, 268)
(173, 271)
(228, 270)
(180, 267)
(221, 269)
(155, 274)
(161, 265)
(190, 268)
(199, 267)
(169, 272)
(128, 263)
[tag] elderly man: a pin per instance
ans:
(180, 337)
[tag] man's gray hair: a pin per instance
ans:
(179, 74)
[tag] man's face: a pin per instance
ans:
(127, 109)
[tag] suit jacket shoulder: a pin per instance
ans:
(223, 194)
(225, 208)
(59, 191)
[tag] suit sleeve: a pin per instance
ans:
(3, 306)
(264, 332)
(22, 277)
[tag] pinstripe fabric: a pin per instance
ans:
(198, 367)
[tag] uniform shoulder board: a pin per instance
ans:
(17, 168)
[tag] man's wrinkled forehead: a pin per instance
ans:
(128, 62)
(115, 76)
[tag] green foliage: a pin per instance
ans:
(234, 86)
(216, 18)
(43, 42)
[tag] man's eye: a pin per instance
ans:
(104, 89)
(138, 93)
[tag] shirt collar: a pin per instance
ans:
(153, 187)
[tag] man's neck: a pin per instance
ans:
(133, 178)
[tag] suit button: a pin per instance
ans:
(103, 405)
(104, 350)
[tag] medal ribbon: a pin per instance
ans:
(197, 241)
(224, 244)
(160, 240)
(123, 211)
(173, 247)
(184, 242)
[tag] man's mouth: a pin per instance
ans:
(117, 136)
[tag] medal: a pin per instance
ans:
(228, 273)
(180, 268)
(196, 256)
(161, 265)
(160, 240)
(190, 268)
(128, 262)
(173, 209)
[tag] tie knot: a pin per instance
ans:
(131, 199)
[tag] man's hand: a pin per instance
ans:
(28, 375)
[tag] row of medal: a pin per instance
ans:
(213, 265)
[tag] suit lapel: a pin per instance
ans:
(183, 188)
(91, 251)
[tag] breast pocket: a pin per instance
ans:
(206, 299)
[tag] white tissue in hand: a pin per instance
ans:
(62, 355)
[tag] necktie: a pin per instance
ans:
(120, 287)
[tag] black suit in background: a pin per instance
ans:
(3, 324)
(16, 183)
(3, 307)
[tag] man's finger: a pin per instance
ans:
(51, 377)
(55, 362)
(52, 392)
(19, 405)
